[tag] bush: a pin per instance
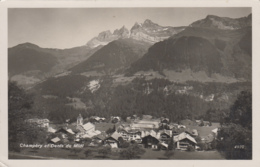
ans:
(171, 145)
(123, 143)
(203, 146)
(88, 153)
(190, 148)
(132, 152)
(104, 151)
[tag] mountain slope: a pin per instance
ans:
(28, 57)
(113, 57)
(29, 63)
(224, 23)
(191, 52)
(199, 49)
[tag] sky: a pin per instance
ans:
(71, 27)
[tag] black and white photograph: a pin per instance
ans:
(130, 83)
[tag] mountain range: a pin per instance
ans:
(211, 49)
(147, 31)
(175, 72)
(29, 64)
(204, 49)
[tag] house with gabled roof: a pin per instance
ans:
(165, 120)
(87, 130)
(55, 140)
(129, 134)
(99, 138)
(215, 131)
(115, 119)
(183, 140)
(113, 140)
(165, 135)
(64, 132)
(150, 139)
(86, 127)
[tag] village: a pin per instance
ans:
(151, 134)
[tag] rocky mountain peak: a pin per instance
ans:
(122, 32)
(148, 22)
(147, 31)
(136, 26)
(104, 34)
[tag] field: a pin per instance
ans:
(204, 130)
(104, 126)
(205, 155)
(58, 153)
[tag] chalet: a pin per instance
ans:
(181, 126)
(129, 134)
(165, 136)
(65, 130)
(165, 120)
(183, 140)
(91, 134)
(163, 146)
(164, 126)
(194, 133)
(99, 138)
(87, 130)
(113, 140)
(150, 139)
(95, 119)
(51, 130)
(86, 127)
(115, 119)
(44, 123)
(102, 119)
(55, 140)
(215, 131)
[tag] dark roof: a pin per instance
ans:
(100, 136)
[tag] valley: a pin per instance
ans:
(141, 77)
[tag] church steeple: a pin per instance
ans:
(79, 120)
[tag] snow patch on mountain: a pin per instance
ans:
(94, 85)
